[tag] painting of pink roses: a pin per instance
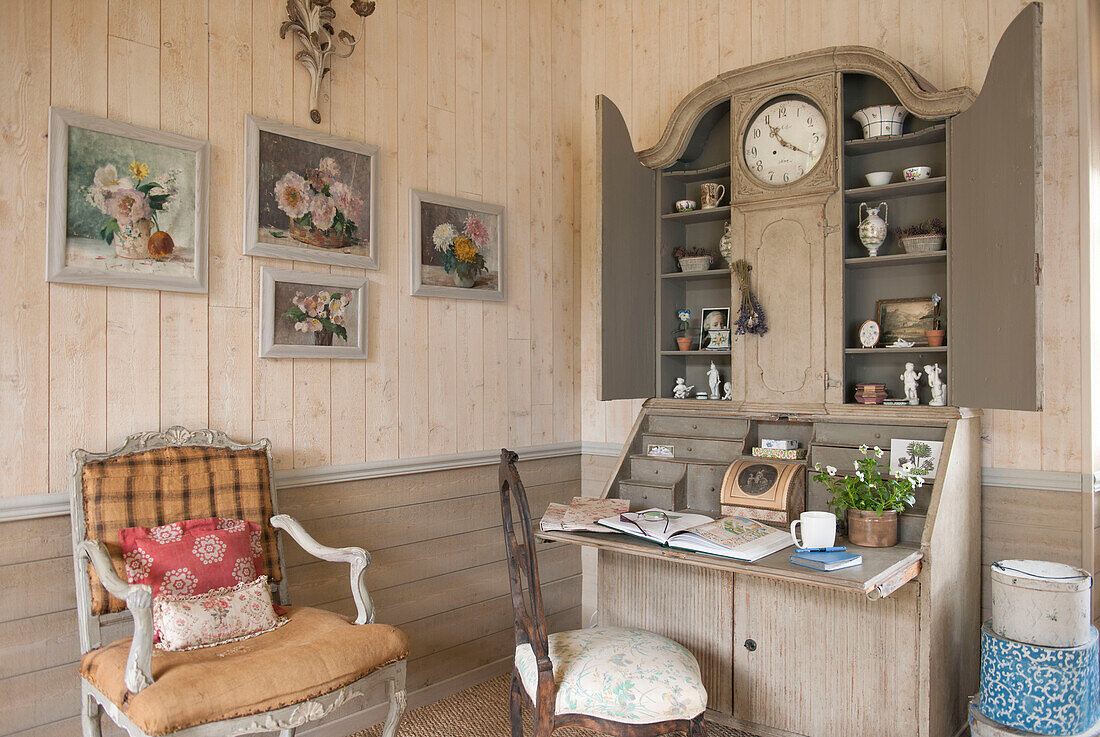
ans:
(127, 205)
(310, 196)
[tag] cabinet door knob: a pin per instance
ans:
(750, 645)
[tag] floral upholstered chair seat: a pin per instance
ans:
(623, 675)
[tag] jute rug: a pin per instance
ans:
(482, 711)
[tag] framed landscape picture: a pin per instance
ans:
(127, 206)
(456, 247)
(304, 314)
(904, 318)
(309, 196)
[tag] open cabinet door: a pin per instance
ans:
(995, 227)
(629, 286)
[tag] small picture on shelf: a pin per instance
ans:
(712, 319)
(906, 319)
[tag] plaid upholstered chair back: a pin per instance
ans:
(163, 477)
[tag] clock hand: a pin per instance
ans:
(782, 142)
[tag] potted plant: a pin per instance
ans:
(870, 497)
(693, 259)
(937, 335)
(683, 340)
(924, 237)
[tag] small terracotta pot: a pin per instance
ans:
(935, 337)
(871, 529)
(684, 344)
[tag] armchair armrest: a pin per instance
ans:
(139, 601)
(357, 557)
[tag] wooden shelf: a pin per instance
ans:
(895, 259)
(698, 216)
(886, 349)
(861, 146)
(690, 275)
(897, 189)
(697, 352)
(718, 171)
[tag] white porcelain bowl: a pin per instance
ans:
(878, 178)
(916, 172)
(881, 120)
(685, 205)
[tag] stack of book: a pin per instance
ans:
(871, 393)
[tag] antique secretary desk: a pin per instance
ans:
(889, 647)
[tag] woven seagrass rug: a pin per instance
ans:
(482, 711)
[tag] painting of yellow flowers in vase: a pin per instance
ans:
(127, 205)
(310, 315)
(310, 196)
(457, 247)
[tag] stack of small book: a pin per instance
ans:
(826, 560)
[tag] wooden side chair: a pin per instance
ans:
(612, 680)
(275, 681)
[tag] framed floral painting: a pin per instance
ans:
(309, 196)
(304, 314)
(456, 247)
(127, 205)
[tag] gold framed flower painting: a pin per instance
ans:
(309, 196)
(456, 247)
(304, 314)
(127, 205)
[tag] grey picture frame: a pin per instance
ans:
(268, 348)
(254, 246)
(417, 288)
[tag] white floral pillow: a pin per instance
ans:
(221, 615)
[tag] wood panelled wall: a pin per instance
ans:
(438, 572)
(646, 55)
(478, 98)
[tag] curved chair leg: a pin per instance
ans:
(90, 715)
(397, 707)
(515, 707)
(698, 727)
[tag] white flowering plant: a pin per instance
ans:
(870, 488)
(320, 200)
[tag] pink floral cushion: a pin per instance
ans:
(222, 615)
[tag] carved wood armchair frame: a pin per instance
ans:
(530, 626)
(139, 601)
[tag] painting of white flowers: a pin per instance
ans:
(309, 196)
(457, 247)
(127, 205)
(310, 315)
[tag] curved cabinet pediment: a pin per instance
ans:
(919, 96)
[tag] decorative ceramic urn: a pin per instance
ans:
(872, 228)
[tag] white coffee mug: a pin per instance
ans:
(818, 529)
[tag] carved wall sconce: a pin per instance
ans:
(311, 22)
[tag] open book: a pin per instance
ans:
(581, 514)
(729, 537)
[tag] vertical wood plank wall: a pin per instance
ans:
(478, 98)
(438, 572)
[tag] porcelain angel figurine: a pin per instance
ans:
(935, 383)
(714, 380)
(910, 377)
(727, 391)
(682, 390)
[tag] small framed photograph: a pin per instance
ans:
(309, 196)
(922, 455)
(660, 451)
(456, 247)
(309, 315)
(719, 340)
(711, 319)
(127, 206)
(906, 319)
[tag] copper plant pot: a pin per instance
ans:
(322, 238)
(871, 529)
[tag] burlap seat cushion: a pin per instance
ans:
(315, 653)
(156, 487)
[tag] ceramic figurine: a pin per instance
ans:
(936, 384)
(682, 390)
(902, 343)
(714, 380)
(910, 378)
(727, 392)
(725, 245)
(872, 228)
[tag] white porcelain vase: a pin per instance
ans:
(872, 228)
(881, 120)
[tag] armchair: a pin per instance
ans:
(275, 681)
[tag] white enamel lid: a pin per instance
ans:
(1041, 575)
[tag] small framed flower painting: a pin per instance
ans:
(456, 247)
(304, 314)
(309, 196)
(127, 205)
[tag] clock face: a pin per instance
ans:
(785, 140)
(869, 333)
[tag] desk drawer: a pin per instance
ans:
(698, 448)
(650, 469)
(704, 486)
(843, 433)
(643, 495)
(711, 427)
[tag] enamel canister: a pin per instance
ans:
(1041, 603)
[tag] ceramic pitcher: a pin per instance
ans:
(872, 228)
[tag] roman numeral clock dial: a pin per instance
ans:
(784, 141)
